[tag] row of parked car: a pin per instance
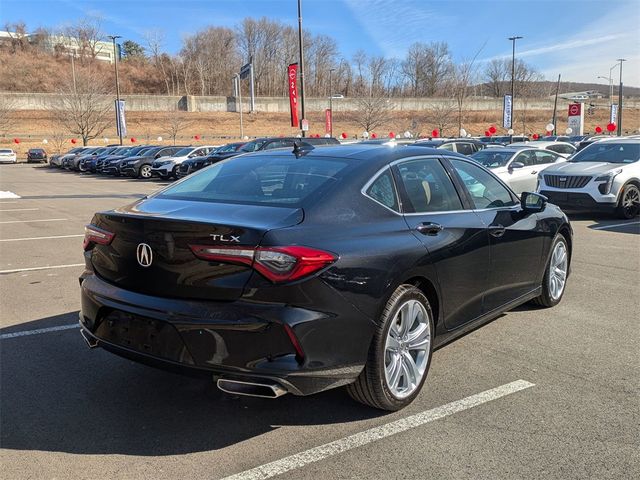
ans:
(562, 168)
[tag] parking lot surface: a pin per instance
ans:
(537, 393)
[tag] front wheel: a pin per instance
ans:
(555, 275)
(629, 205)
(400, 353)
(145, 171)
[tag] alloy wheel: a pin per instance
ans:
(407, 349)
(145, 171)
(631, 202)
(558, 270)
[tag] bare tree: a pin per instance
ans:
(83, 109)
(427, 67)
(442, 115)
(86, 33)
(497, 74)
(7, 109)
(17, 32)
(463, 76)
(372, 112)
(175, 123)
(57, 139)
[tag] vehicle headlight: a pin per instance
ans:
(607, 179)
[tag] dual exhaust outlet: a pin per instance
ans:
(251, 389)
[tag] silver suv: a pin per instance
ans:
(604, 177)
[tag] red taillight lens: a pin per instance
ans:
(278, 264)
(94, 235)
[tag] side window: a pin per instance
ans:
(545, 157)
(447, 146)
(383, 191)
(199, 152)
(278, 144)
(165, 152)
(566, 149)
(427, 186)
(485, 190)
(525, 158)
(465, 148)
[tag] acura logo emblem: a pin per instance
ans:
(144, 255)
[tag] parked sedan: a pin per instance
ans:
(88, 163)
(221, 153)
(140, 165)
(465, 146)
(36, 155)
(300, 271)
(8, 156)
(518, 167)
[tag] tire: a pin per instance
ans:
(372, 387)
(629, 205)
(145, 172)
(550, 297)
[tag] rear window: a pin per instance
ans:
(259, 180)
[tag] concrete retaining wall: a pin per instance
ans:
(191, 103)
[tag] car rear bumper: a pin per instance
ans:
(240, 340)
(577, 202)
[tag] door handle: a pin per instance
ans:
(496, 230)
(429, 228)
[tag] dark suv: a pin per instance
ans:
(140, 166)
(221, 153)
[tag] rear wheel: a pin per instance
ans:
(145, 171)
(629, 206)
(555, 275)
(400, 353)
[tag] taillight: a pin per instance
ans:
(278, 264)
(94, 235)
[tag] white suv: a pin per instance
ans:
(604, 177)
(167, 167)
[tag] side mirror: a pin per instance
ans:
(533, 202)
(516, 165)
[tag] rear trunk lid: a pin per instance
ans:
(168, 228)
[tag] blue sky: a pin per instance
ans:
(579, 39)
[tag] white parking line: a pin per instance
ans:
(26, 333)
(33, 269)
(604, 227)
(39, 238)
(32, 221)
(19, 210)
(363, 438)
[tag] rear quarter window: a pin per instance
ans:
(383, 191)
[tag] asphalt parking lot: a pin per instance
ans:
(535, 394)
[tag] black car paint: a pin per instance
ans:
(230, 321)
(134, 164)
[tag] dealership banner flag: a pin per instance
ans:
(292, 75)
(507, 111)
(327, 121)
(121, 124)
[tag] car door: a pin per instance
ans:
(514, 235)
(520, 179)
(455, 238)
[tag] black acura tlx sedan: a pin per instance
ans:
(299, 271)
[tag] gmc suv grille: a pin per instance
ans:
(566, 181)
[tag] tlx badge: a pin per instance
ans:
(225, 238)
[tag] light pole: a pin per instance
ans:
(513, 74)
(331, 101)
(610, 80)
(301, 53)
(620, 98)
(237, 77)
(115, 58)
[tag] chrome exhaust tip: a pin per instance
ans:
(89, 340)
(251, 389)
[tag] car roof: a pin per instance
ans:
(374, 154)
(539, 144)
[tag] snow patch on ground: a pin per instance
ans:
(4, 194)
